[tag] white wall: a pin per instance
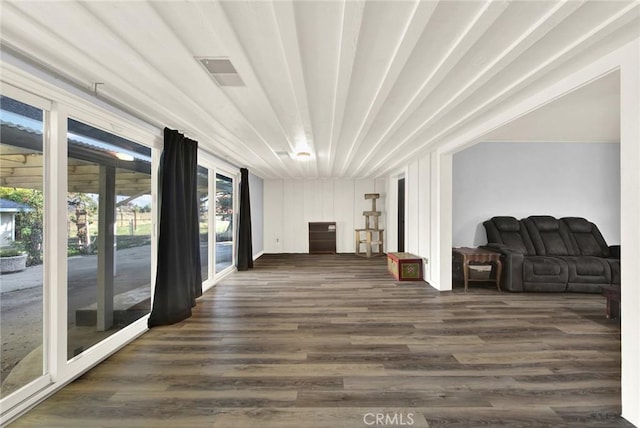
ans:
(523, 179)
(630, 230)
(419, 219)
(626, 61)
(289, 205)
(256, 197)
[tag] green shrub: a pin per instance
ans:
(11, 252)
(29, 229)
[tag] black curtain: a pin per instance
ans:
(245, 248)
(178, 277)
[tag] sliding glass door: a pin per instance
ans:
(203, 203)
(109, 234)
(224, 223)
(22, 234)
(217, 201)
(78, 237)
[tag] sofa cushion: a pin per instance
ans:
(546, 267)
(506, 224)
(588, 246)
(544, 274)
(554, 244)
(549, 236)
(510, 232)
(586, 238)
(545, 223)
(587, 274)
(577, 224)
(590, 266)
(538, 269)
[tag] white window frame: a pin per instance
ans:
(48, 330)
(59, 101)
(217, 166)
(90, 118)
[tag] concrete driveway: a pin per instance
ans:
(21, 300)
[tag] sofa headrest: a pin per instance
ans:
(578, 224)
(506, 224)
(545, 223)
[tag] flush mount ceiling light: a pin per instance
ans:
(221, 71)
(301, 148)
(302, 156)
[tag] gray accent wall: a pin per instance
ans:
(256, 199)
(523, 179)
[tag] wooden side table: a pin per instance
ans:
(478, 256)
(612, 294)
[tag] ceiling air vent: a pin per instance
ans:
(222, 71)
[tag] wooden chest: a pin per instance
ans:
(405, 266)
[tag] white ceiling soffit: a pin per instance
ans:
(364, 86)
(588, 114)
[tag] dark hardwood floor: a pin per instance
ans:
(334, 341)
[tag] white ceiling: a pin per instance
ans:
(590, 114)
(365, 85)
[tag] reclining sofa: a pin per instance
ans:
(542, 253)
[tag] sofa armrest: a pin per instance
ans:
(500, 248)
(512, 261)
(614, 251)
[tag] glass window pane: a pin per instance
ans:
(203, 198)
(21, 238)
(224, 222)
(109, 229)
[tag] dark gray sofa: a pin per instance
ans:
(542, 253)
